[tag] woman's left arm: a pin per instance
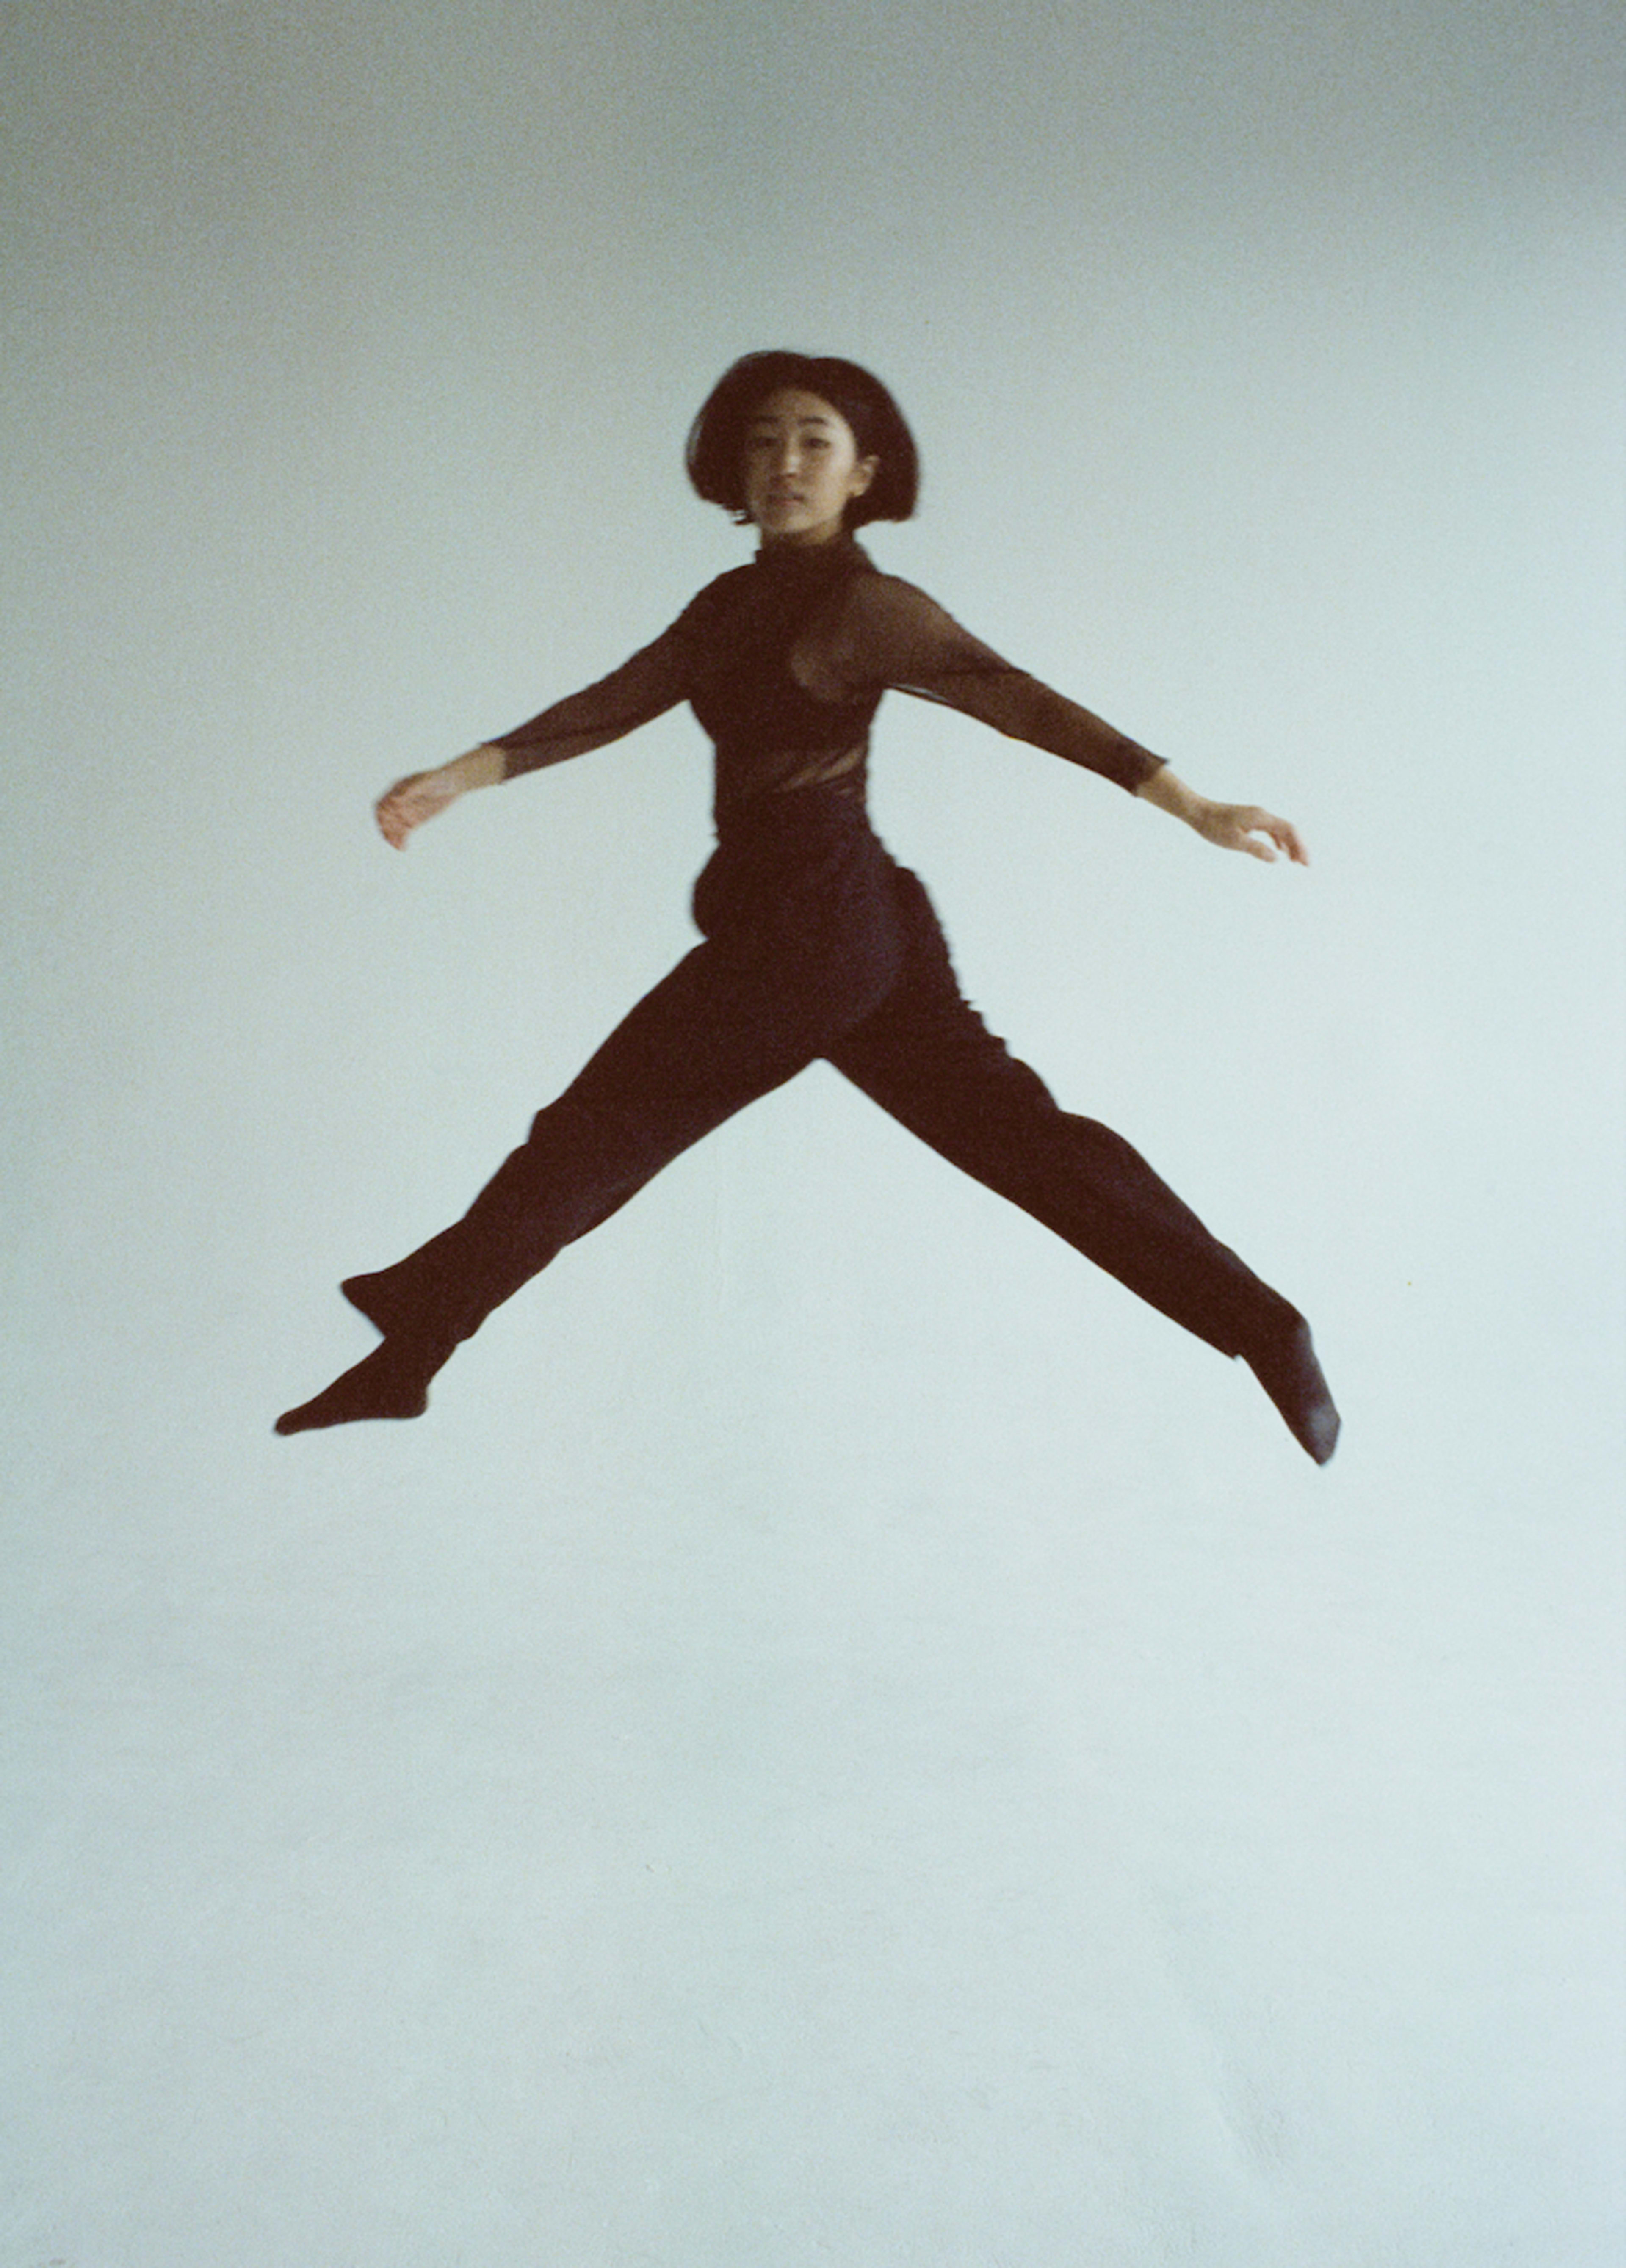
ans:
(1233, 826)
(891, 634)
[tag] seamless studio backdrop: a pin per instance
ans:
(841, 1739)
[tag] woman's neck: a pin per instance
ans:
(791, 551)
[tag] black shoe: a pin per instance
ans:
(393, 1382)
(1286, 1367)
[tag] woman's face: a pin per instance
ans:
(802, 469)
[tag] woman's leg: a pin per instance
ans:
(926, 1057)
(802, 947)
(710, 1038)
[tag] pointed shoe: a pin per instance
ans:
(393, 1382)
(1287, 1368)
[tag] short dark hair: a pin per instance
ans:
(716, 449)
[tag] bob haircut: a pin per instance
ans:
(715, 453)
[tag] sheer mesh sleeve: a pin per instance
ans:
(890, 633)
(654, 680)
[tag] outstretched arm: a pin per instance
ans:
(1233, 826)
(891, 634)
(656, 679)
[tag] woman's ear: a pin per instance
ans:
(864, 474)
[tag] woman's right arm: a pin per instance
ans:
(656, 679)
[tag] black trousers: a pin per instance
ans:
(818, 944)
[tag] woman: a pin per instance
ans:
(816, 943)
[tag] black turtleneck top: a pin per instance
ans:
(784, 662)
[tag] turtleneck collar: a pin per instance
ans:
(810, 561)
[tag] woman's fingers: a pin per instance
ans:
(1285, 836)
(393, 825)
(1246, 826)
(408, 804)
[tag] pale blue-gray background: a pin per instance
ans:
(841, 1740)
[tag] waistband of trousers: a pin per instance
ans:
(816, 811)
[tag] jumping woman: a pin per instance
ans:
(816, 944)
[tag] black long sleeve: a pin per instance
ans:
(786, 662)
(889, 634)
(655, 678)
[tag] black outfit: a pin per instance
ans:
(816, 945)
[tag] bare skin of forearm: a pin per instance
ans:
(1232, 826)
(482, 767)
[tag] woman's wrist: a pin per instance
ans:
(1170, 793)
(482, 767)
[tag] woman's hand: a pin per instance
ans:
(425, 795)
(1232, 826)
(1245, 827)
